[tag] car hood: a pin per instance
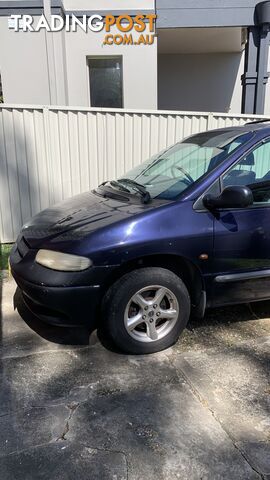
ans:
(79, 216)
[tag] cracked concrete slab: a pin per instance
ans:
(258, 455)
(243, 389)
(163, 430)
(27, 428)
(72, 408)
(57, 461)
(50, 377)
(232, 380)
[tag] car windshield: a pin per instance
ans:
(172, 171)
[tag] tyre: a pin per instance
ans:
(146, 310)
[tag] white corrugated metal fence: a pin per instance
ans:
(50, 153)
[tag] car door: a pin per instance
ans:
(242, 236)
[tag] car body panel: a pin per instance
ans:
(241, 244)
(115, 231)
(84, 213)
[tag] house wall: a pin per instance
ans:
(23, 66)
(139, 69)
(200, 82)
(51, 68)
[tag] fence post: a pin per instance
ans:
(48, 147)
(210, 121)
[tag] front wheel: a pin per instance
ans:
(146, 310)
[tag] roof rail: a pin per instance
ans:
(258, 121)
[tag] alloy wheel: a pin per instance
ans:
(151, 313)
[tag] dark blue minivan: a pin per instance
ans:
(186, 230)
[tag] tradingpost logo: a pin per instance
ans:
(119, 30)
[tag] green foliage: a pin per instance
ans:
(4, 255)
(1, 99)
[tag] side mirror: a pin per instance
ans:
(237, 196)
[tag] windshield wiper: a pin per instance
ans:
(141, 189)
(117, 184)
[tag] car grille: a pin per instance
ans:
(23, 247)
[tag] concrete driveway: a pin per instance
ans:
(73, 410)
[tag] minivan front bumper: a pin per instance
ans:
(59, 298)
(63, 306)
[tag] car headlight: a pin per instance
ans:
(62, 261)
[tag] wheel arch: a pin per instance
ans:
(181, 266)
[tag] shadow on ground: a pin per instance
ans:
(217, 319)
(199, 410)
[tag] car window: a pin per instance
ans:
(253, 170)
(171, 172)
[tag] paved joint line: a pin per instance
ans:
(205, 404)
(242, 453)
(72, 352)
(98, 449)
(23, 450)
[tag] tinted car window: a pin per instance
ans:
(170, 173)
(253, 170)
